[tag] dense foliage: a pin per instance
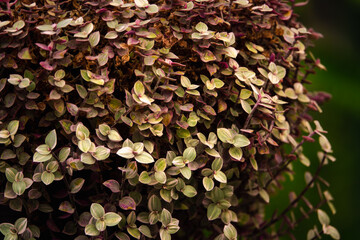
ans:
(160, 119)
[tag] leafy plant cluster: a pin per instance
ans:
(160, 119)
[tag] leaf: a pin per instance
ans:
(111, 35)
(51, 139)
(254, 163)
(213, 211)
(76, 185)
(241, 141)
(160, 165)
(189, 154)
(201, 27)
(189, 191)
(112, 219)
(139, 89)
(160, 177)
(41, 158)
(97, 211)
(208, 183)
(5, 228)
(127, 203)
(325, 144)
(24, 54)
(94, 39)
(224, 135)
(186, 172)
(91, 230)
(134, 232)
(165, 217)
(101, 153)
(19, 187)
(333, 232)
(323, 217)
(220, 176)
(230, 232)
(64, 23)
(10, 174)
(236, 153)
(114, 136)
(144, 158)
(164, 234)
(217, 164)
(264, 195)
(84, 145)
(150, 60)
(13, 127)
(47, 177)
(125, 152)
(113, 185)
(145, 230)
(141, 3)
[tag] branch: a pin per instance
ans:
(296, 200)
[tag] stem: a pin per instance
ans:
(71, 196)
(252, 112)
(296, 200)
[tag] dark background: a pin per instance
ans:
(339, 51)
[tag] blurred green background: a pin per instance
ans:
(339, 22)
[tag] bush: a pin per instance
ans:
(155, 119)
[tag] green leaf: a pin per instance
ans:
(225, 135)
(20, 225)
(139, 88)
(13, 127)
(217, 164)
(186, 172)
(94, 39)
(201, 27)
(41, 158)
(19, 187)
(144, 177)
(213, 211)
(101, 153)
(76, 185)
(220, 176)
(51, 139)
(183, 133)
(64, 153)
(264, 195)
(333, 232)
(64, 23)
(165, 217)
(91, 230)
(236, 153)
(112, 219)
(154, 203)
(241, 141)
(97, 211)
(254, 163)
(230, 232)
(189, 154)
(160, 177)
(7, 154)
(114, 136)
(323, 217)
(208, 183)
(84, 145)
(10, 174)
(47, 177)
(43, 149)
(160, 165)
(164, 234)
(5, 228)
(145, 230)
(82, 132)
(134, 232)
(189, 191)
(144, 158)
